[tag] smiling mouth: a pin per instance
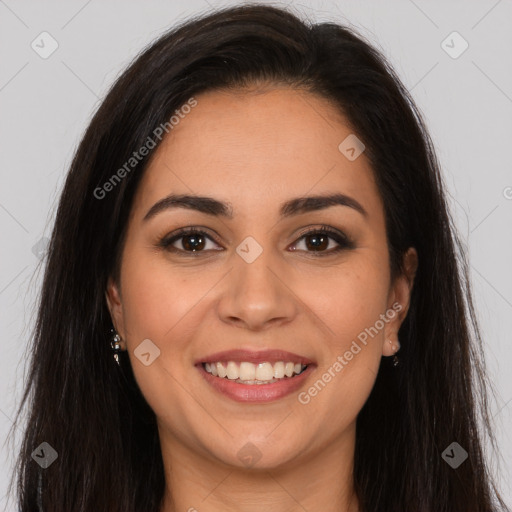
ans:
(245, 372)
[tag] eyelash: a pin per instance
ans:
(343, 241)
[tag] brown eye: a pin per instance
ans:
(317, 242)
(323, 241)
(193, 242)
(188, 240)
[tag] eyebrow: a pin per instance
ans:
(215, 207)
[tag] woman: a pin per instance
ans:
(254, 297)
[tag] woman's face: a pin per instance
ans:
(256, 282)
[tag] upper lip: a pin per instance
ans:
(261, 356)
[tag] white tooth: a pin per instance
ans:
(279, 370)
(247, 371)
(232, 371)
(256, 382)
(221, 371)
(264, 371)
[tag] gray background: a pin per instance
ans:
(467, 103)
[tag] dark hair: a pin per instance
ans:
(93, 413)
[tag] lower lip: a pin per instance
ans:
(256, 393)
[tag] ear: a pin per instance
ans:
(399, 300)
(115, 306)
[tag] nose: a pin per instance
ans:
(258, 295)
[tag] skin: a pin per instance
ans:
(257, 149)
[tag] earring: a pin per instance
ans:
(396, 348)
(116, 345)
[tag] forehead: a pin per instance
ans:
(253, 147)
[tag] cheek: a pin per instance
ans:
(156, 298)
(349, 303)
(160, 305)
(348, 300)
